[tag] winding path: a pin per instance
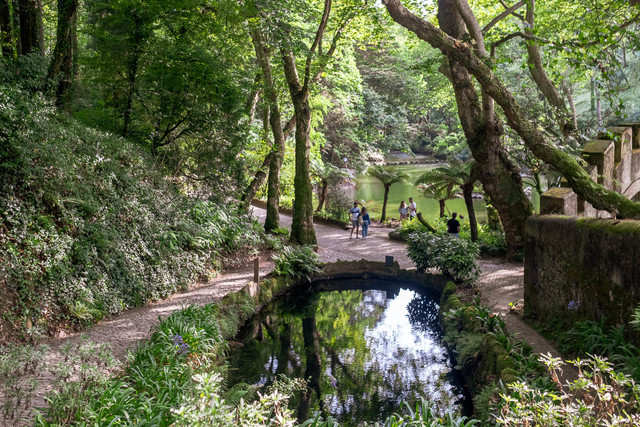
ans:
(499, 284)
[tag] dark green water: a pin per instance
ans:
(363, 353)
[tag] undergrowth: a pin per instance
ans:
(299, 262)
(490, 242)
(89, 225)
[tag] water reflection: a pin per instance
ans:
(362, 352)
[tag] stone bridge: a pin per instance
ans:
(613, 161)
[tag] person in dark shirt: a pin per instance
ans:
(453, 226)
(366, 220)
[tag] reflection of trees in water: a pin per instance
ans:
(423, 313)
(327, 342)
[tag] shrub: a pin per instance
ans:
(492, 243)
(589, 337)
(299, 262)
(599, 396)
(453, 256)
(208, 407)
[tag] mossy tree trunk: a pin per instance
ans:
(31, 27)
(263, 54)
(323, 194)
(383, 217)
(6, 29)
(483, 130)
(302, 231)
(579, 180)
(62, 67)
(467, 192)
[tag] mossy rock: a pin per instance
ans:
(509, 375)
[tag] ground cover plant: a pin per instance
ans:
(300, 262)
(90, 225)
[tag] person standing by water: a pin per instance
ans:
(403, 210)
(413, 208)
(366, 220)
(355, 219)
(453, 226)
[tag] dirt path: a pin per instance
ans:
(500, 283)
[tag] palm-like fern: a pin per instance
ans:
(446, 182)
(387, 176)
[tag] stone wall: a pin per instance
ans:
(581, 268)
(613, 160)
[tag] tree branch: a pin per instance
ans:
(578, 178)
(318, 38)
(501, 16)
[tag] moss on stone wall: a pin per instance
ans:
(582, 269)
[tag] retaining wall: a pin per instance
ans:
(581, 268)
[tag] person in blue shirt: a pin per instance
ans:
(366, 220)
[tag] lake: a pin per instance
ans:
(371, 192)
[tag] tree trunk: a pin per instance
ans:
(6, 29)
(579, 180)
(62, 60)
(31, 27)
(483, 130)
(467, 191)
(323, 195)
(272, 220)
(539, 75)
(302, 230)
(383, 217)
(132, 76)
(258, 179)
(442, 203)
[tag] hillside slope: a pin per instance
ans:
(90, 226)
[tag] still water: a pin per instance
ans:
(363, 353)
(371, 191)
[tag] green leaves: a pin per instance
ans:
(299, 262)
(451, 255)
(387, 175)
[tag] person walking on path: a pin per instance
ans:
(413, 208)
(453, 226)
(403, 210)
(355, 219)
(366, 220)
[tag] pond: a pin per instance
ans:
(364, 353)
(371, 191)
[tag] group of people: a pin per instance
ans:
(359, 217)
(408, 211)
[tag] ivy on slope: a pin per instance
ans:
(89, 225)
